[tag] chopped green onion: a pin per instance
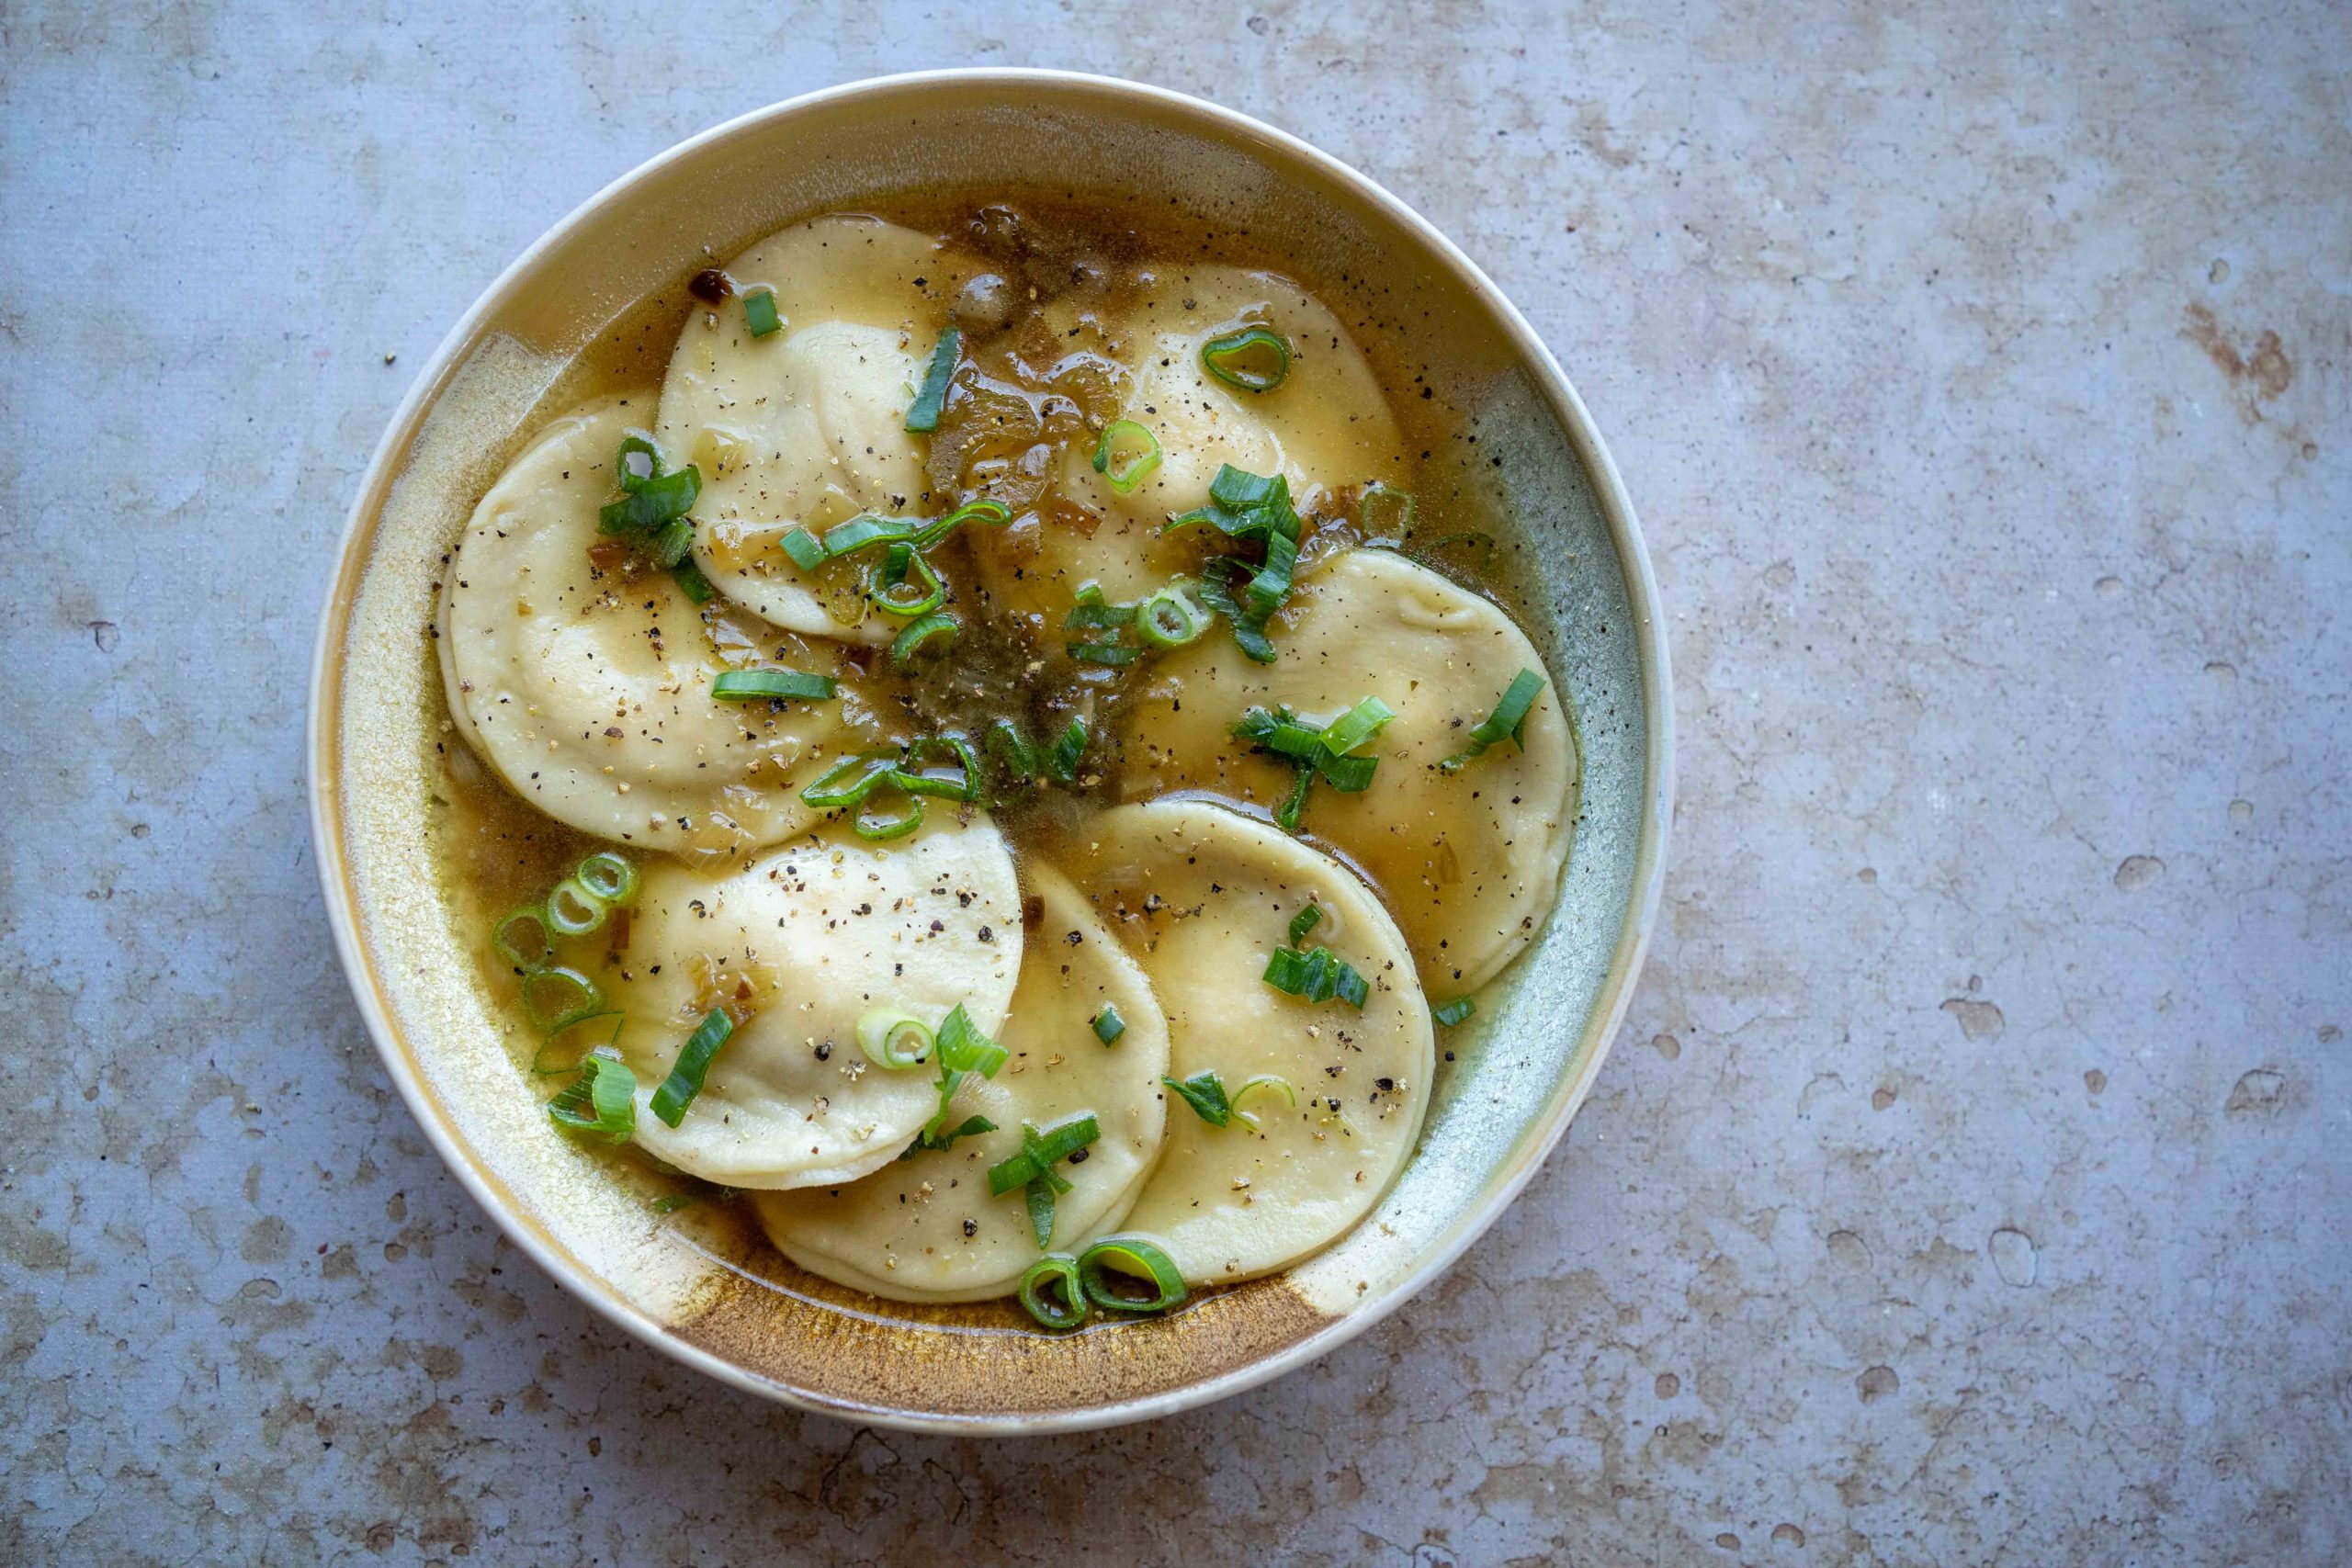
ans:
(759, 311)
(1093, 609)
(572, 910)
(1204, 1092)
(1272, 1083)
(1293, 805)
(803, 546)
(759, 685)
(1038, 1198)
(1356, 726)
(1069, 749)
(1305, 920)
(888, 586)
(864, 533)
(558, 1053)
(608, 877)
(924, 414)
(1217, 593)
(879, 823)
(673, 543)
(1043, 1150)
(652, 503)
(1171, 618)
(1055, 1271)
(995, 514)
(640, 459)
(1113, 654)
(1242, 490)
(851, 780)
(525, 952)
(692, 583)
(574, 997)
(1509, 718)
(925, 1140)
(1384, 513)
(1129, 1257)
(1255, 359)
(1349, 776)
(1316, 976)
(1119, 459)
(915, 779)
(685, 1082)
(1271, 584)
(962, 1048)
(893, 1038)
(1448, 1014)
(1108, 1024)
(932, 628)
(1009, 745)
(600, 1103)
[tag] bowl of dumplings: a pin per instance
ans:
(990, 752)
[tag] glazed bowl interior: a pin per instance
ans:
(377, 722)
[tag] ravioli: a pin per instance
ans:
(804, 942)
(1325, 426)
(926, 1228)
(1470, 860)
(583, 674)
(806, 424)
(1201, 896)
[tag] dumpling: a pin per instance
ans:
(804, 942)
(1325, 426)
(1202, 897)
(1470, 860)
(806, 424)
(583, 674)
(926, 1228)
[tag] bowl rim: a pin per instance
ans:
(323, 787)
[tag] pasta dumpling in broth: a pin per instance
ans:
(927, 1228)
(581, 672)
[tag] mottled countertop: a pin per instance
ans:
(1973, 1181)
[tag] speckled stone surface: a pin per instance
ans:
(1974, 1180)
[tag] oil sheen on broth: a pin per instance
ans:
(988, 741)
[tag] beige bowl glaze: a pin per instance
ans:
(374, 722)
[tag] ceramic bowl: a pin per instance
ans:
(375, 720)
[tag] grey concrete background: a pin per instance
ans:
(1970, 1183)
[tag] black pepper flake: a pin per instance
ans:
(824, 1050)
(987, 935)
(972, 1227)
(1079, 1157)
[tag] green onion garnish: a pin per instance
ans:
(673, 543)
(1318, 751)
(863, 532)
(1293, 805)
(524, 938)
(692, 583)
(1448, 1014)
(1509, 718)
(1108, 1024)
(1356, 726)
(802, 545)
(1129, 1257)
(1316, 976)
(1384, 513)
(1255, 359)
(1113, 654)
(685, 1082)
(1032, 1167)
(961, 1048)
(1268, 586)
(1069, 747)
(1305, 920)
(1171, 618)
(1055, 1273)
(638, 460)
(1204, 1092)
(1093, 609)
(925, 1140)
(934, 627)
(924, 414)
(651, 504)
(609, 877)
(554, 995)
(1217, 593)
(1016, 757)
(1272, 1083)
(759, 311)
(758, 685)
(564, 1048)
(600, 1103)
(1127, 454)
(995, 514)
(893, 1038)
(915, 778)
(849, 781)
(880, 823)
(572, 910)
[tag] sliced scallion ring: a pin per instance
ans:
(692, 583)
(759, 311)
(1305, 920)
(1056, 1272)
(573, 1039)
(916, 591)
(572, 910)
(600, 1103)
(1270, 1083)
(994, 513)
(1109, 1025)
(940, 626)
(640, 459)
(1016, 757)
(1171, 618)
(893, 1038)
(1384, 513)
(879, 823)
(806, 551)
(758, 685)
(924, 414)
(849, 781)
(608, 877)
(554, 995)
(524, 938)
(1509, 718)
(1133, 1259)
(693, 1064)
(1126, 454)
(915, 777)
(1447, 1014)
(1356, 726)
(1255, 359)
(1069, 748)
